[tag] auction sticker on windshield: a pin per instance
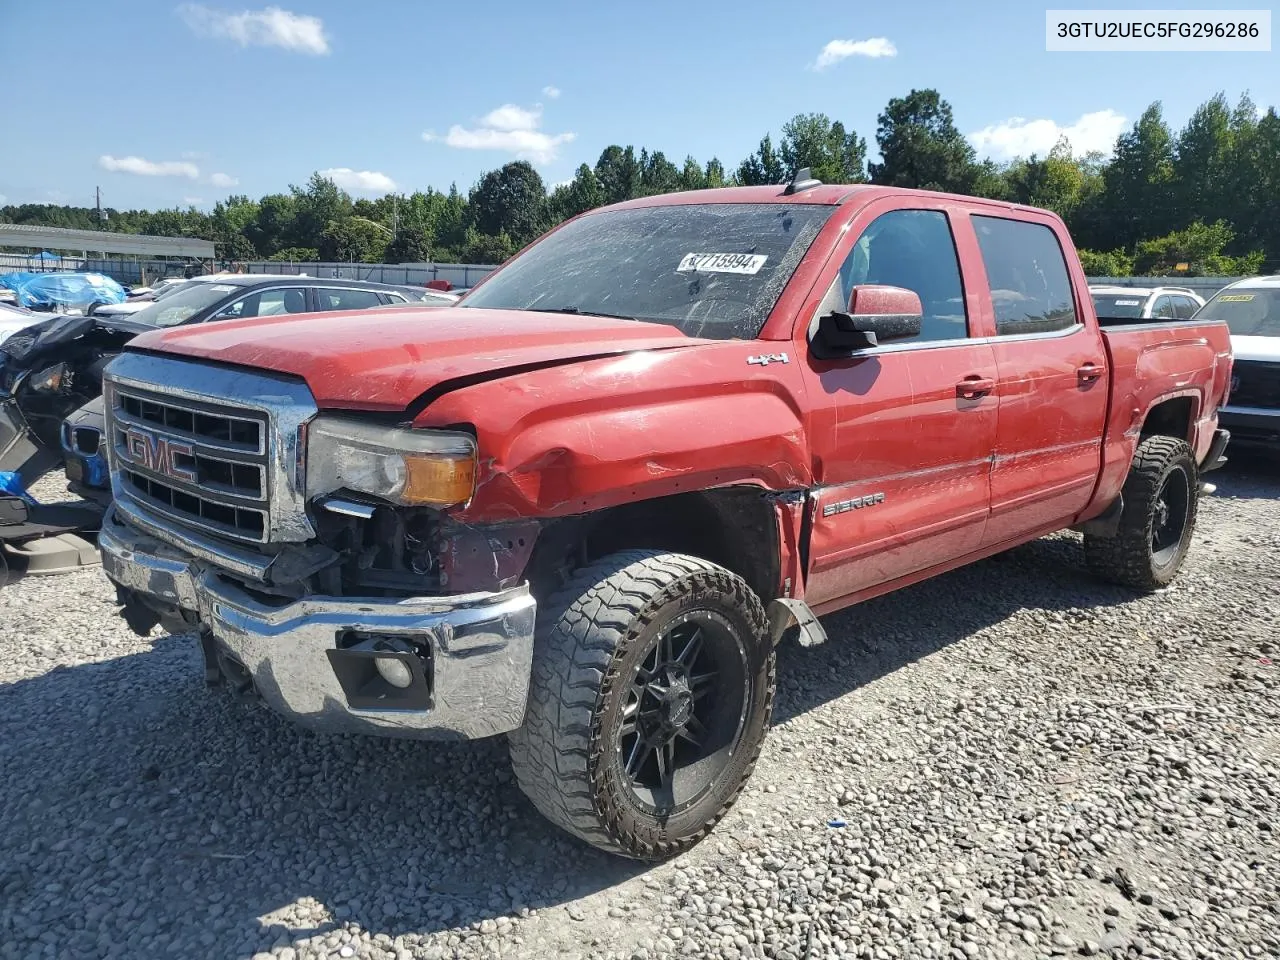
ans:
(749, 263)
(1236, 298)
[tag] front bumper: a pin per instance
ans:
(472, 680)
(1252, 426)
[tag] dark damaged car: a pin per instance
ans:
(51, 369)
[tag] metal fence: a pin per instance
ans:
(414, 274)
(139, 271)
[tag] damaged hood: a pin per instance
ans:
(384, 360)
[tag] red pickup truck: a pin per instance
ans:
(582, 507)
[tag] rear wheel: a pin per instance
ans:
(4, 567)
(652, 688)
(1161, 495)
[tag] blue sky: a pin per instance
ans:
(165, 103)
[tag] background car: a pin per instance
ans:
(1115, 304)
(1251, 309)
(52, 368)
(14, 318)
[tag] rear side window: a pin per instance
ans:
(1030, 287)
(336, 298)
(1184, 308)
(1163, 309)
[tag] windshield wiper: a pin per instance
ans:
(583, 313)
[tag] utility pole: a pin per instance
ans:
(395, 216)
(97, 193)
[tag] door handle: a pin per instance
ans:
(1089, 372)
(974, 387)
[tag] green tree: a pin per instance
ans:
(354, 239)
(657, 174)
(1201, 246)
(1139, 196)
(920, 146)
(1054, 183)
(318, 204)
(618, 171)
(1114, 263)
(762, 168)
(833, 156)
(510, 200)
(233, 221)
(584, 192)
(273, 228)
(714, 174)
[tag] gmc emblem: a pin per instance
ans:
(160, 454)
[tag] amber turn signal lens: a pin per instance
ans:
(438, 481)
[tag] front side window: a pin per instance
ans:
(1030, 287)
(184, 303)
(335, 298)
(711, 269)
(1248, 313)
(267, 303)
(912, 249)
(1163, 308)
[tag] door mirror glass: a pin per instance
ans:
(877, 314)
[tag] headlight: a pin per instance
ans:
(50, 378)
(411, 467)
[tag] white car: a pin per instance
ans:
(14, 318)
(1115, 304)
(1251, 309)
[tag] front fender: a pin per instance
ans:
(587, 436)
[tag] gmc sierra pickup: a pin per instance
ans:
(582, 507)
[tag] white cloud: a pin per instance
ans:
(510, 117)
(838, 50)
(146, 168)
(509, 129)
(551, 93)
(194, 155)
(553, 187)
(3, 199)
(193, 201)
(1019, 137)
(269, 27)
(224, 180)
(368, 181)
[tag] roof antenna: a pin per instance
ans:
(803, 180)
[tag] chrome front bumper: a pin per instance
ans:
(481, 644)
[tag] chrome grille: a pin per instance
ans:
(200, 464)
(209, 447)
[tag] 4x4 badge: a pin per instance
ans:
(765, 359)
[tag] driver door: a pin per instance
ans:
(906, 467)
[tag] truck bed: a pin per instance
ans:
(1188, 361)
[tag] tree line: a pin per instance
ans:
(1206, 196)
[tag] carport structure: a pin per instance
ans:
(102, 242)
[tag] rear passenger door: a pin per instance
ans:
(905, 462)
(1052, 381)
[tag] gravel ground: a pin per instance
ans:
(1025, 763)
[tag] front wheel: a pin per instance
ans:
(652, 689)
(1161, 495)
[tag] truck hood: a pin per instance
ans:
(384, 360)
(1266, 349)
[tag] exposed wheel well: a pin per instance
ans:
(735, 527)
(1170, 418)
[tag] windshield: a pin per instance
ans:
(186, 300)
(713, 270)
(1119, 306)
(1248, 313)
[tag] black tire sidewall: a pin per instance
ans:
(618, 809)
(1180, 462)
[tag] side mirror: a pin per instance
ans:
(876, 314)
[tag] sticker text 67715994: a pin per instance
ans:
(749, 263)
